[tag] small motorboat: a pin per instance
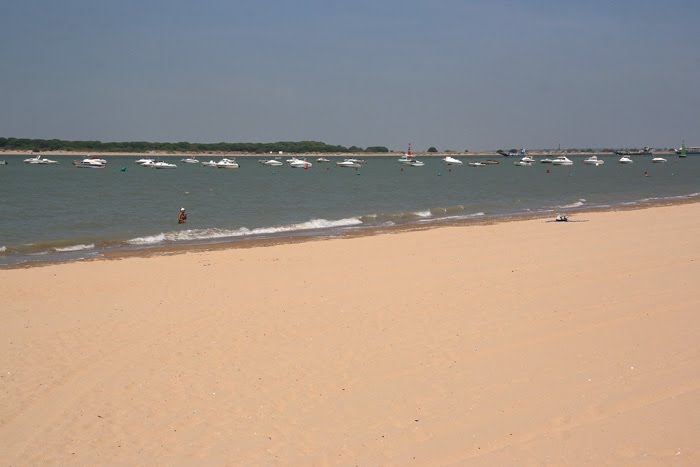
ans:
(211, 163)
(300, 164)
(322, 159)
(145, 161)
(593, 160)
(415, 163)
(477, 164)
(546, 160)
(38, 160)
(562, 160)
(490, 162)
(449, 160)
(271, 162)
(408, 159)
(625, 160)
(349, 163)
(96, 159)
(190, 160)
(226, 163)
(3, 162)
(90, 163)
(162, 165)
(523, 162)
(656, 160)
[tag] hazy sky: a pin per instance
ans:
(481, 74)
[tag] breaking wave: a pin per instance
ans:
(214, 233)
(576, 204)
(76, 247)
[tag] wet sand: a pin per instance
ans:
(507, 343)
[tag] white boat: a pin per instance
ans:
(190, 160)
(656, 160)
(416, 163)
(524, 157)
(300, 164)
(37, 160)
(162, 165)
(546, 160)
(408, 157)
(322, 159)
(490, 162)
(593, 160)
(477, 164)
(226, 163)
(625, 160)
(271, 162)
(523, 163)
(562, 160)
(90, 163)
(211, 163)
(145, 161)
(96, 159)
(349, 163)
(449, 160)
(3, 162)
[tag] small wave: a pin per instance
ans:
(577, 204)
(76, 247)
(455, 217)
(423, 213)
(150, 240)
(3, 249)
(211, 234)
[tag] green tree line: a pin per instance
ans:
(26, 144)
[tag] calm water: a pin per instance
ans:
(61, 212)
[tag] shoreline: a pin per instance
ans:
(267, 241)
(246, 155)
(439, 346)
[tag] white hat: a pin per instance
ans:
(182, 209)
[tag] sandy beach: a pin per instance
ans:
(527, 342)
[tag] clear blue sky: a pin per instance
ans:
(480, 74)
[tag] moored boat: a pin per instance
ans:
(625, 160)
(271, 162)
(593, 160)
(300, 163)
(227, 163)
(449, 160)
(349, 163)
(562, 160)
(162, 165)
(90, 163)
(38, 160)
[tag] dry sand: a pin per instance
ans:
(515, 343)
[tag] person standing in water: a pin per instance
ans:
(182, 216)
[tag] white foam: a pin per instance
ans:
(77, 247)
(210, 234)
(150, 240)
(3, 249)
(577, 204)
(423, 213)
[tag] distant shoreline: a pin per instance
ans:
(308, 154)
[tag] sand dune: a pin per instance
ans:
(519, 342)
